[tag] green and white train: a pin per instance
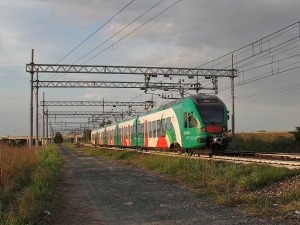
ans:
(195, 124)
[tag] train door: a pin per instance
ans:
(140, 137)
(146, 144)
(105, 137)
(134, 142)
(129, 135)
(170, 132)
(189, 129)
(161, 134)
(95, 138)
(123, 138)
(116, 135)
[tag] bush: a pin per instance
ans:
(297, 134)
(58, 138)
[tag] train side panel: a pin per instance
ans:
(161, 129)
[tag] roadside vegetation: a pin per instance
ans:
(28, 179)
(258, 189)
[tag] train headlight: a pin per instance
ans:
(224, 135)
(201, 140)
(202, 129)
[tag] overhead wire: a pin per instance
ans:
(134, 30)
(266, 52)
(92, 34)
(284, 30)
(272, 91)
(143, 24)
(99, 28)
(108, 39)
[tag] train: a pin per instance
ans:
(195, 124)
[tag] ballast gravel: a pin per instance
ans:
(96, 191)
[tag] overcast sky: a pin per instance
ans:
(188, 34)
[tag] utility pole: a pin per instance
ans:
(31, 99)
(47, 128)
(43, 140)
(37, 112)
(103, 106)
(233, 113)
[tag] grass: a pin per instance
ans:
(28, 184)
(224, 183)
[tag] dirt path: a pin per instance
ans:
(100, 192)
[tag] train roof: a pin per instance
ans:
(197, 99)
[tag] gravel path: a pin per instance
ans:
(99, 192)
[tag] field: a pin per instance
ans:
(27, 183)
(267, 142)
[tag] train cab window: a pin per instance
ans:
(149, 130)
(211, 114)
(168, 124)
(192, 121)
(189, 120)
(154, 129)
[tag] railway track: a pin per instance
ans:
(291, 161)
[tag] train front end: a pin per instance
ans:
(213, 119)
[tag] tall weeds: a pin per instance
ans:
(15, 165)
(28, 184)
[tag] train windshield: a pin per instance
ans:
(211, 114)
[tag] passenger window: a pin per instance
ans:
(154, 129)
(142, 129)
(163, 126)
(158, 128)
(168, 124)
(149, 130)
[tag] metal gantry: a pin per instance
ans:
(120, 84)
(138, 70)
(91, 103)
(81, 114)
(94, 118)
